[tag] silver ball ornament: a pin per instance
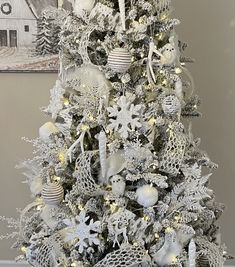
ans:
(53, 194)
(119, 60)
(171, 105)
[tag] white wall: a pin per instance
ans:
(206, 26)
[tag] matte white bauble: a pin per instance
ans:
(53, 194)
(119, 60)
(47, 130)
(147, 196)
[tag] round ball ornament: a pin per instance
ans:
(171, 105)
(53, 194)
(119, 60)
(147, 196)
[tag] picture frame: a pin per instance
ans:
(29, 34)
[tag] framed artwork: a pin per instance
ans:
(29, 34)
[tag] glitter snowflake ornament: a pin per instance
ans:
(124, 117)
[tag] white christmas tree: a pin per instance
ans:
(118, 178)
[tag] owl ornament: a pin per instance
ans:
(118, 185)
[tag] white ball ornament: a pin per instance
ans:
(119, 60)
(47, 130)
(53, 194)
(147, 196)
(171, 105)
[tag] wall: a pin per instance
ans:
(209, 28)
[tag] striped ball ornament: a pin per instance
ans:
(53, 194)
(119, 60)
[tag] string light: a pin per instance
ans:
(62, 157)
(169, 230)
(85, 128)
(66, 102)
(24, 249)
(152, 121)
(174, 260)
(156, 236)
(146, 218)
(114, 207)
(178, 70)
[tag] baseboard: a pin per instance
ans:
(13, 264)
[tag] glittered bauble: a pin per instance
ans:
(47, 130)
(119, 60)
(53, 194)
(171, 105)
(147, 196)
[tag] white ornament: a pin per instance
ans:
(119, 60)
(171, 105)
(170, 250)
(124, 117)
(118, 185)
(192, 253)
(147, 196)
(53, 194)
(36, 186)
(102, 151)
(47, 130)
(122, 9)
(82, 6)
(82, 231)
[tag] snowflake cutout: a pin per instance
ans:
(81, 232)
(125, 116)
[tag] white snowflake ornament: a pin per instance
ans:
(81, 232)
(124, 117)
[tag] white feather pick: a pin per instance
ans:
(115, 164)
(192, 253)
(102, 151)
(122, 8)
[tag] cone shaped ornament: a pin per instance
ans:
(122, 13)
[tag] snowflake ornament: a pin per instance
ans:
(83, 233)
(124, 116)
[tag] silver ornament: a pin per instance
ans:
(119, 60)
(53, 194)
(171, 105)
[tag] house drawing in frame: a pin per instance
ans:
(19, 22)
